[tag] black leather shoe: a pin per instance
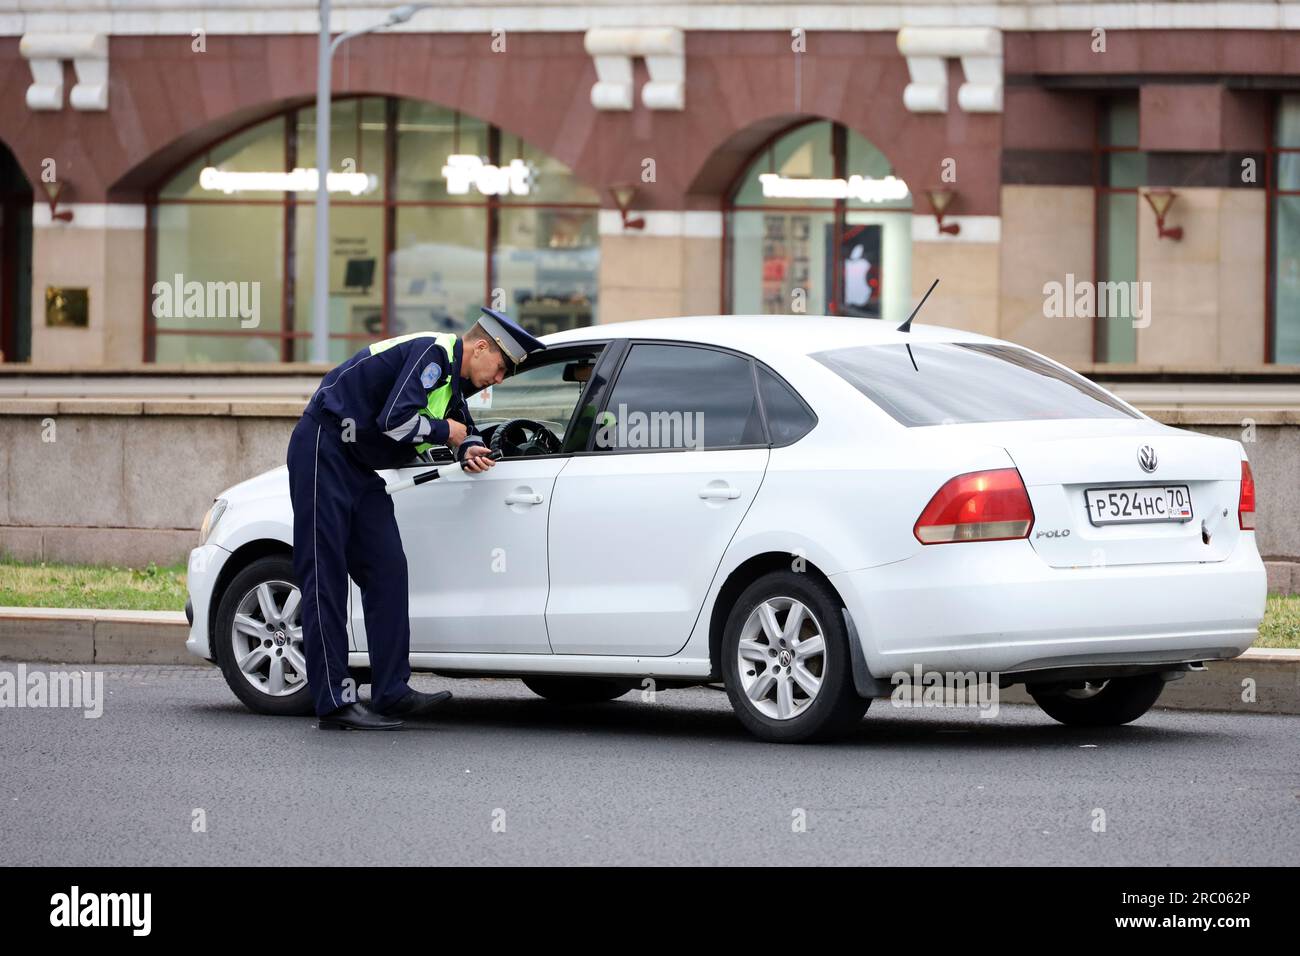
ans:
(417, 705)
(357, 717)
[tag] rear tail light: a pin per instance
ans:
(980, 506)
(1246, 502)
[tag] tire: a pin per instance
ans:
(1110, 703)
(577, 690)
(755, 685)
(256, 685)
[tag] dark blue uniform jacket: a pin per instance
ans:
(382, 394)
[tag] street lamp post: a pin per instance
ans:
(320, 320)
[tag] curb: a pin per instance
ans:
(73, 636)
(76, 636)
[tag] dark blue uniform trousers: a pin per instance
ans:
(343, 524)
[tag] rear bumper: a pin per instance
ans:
(998, 607)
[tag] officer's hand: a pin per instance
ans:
(456, 433)
(478, 459)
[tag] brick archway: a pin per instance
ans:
(166, 102)
(856, 80)
(165, 99)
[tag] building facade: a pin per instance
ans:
(1114, 185)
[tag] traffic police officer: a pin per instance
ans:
(376, 410)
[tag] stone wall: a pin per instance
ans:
(128, 482)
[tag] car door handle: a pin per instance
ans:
(523, 499)
(719, 490)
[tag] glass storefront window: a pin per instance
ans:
(1284, 200)
(552, 181)
(803, 153)
(1117, 226)
(1126, 170)
(545, 263)
(358, 144)
(226, 260)
(866, 160)
(407, 253)
(834, 244)
(439, 271)
(1286, 303)
(1288, 171)
(1119, 121)
(776, 254)
(426, 136)
(871, 239)
(245, 347)
(357, 276)
(256, 150)
(1288, 121)
(1122, 170)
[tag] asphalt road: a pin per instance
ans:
(674, 782)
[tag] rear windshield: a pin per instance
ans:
(961, 382)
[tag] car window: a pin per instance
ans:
(585, 421)
(788, 419)
(680, 396)
(961, 382)
(539, 392)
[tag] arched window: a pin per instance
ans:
(819, 224)
(432, 214)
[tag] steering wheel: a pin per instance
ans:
(523, 436)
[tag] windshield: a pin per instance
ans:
(962, 382)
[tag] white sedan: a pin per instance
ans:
(804, 509)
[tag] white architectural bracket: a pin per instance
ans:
(982, 91)
(664, 52)
(929, 48)
(46, 53)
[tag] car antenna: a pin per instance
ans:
(907, 326)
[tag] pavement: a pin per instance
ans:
(506, 778)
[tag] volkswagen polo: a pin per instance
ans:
(799, 508)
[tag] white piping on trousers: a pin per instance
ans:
(316, 572)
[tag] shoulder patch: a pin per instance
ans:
(429, 377)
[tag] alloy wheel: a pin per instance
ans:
(781, 658)
(267, 638)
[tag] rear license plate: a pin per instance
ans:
(1138, 505)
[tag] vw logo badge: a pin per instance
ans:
(1147, 458)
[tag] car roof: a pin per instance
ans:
(763, 333)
